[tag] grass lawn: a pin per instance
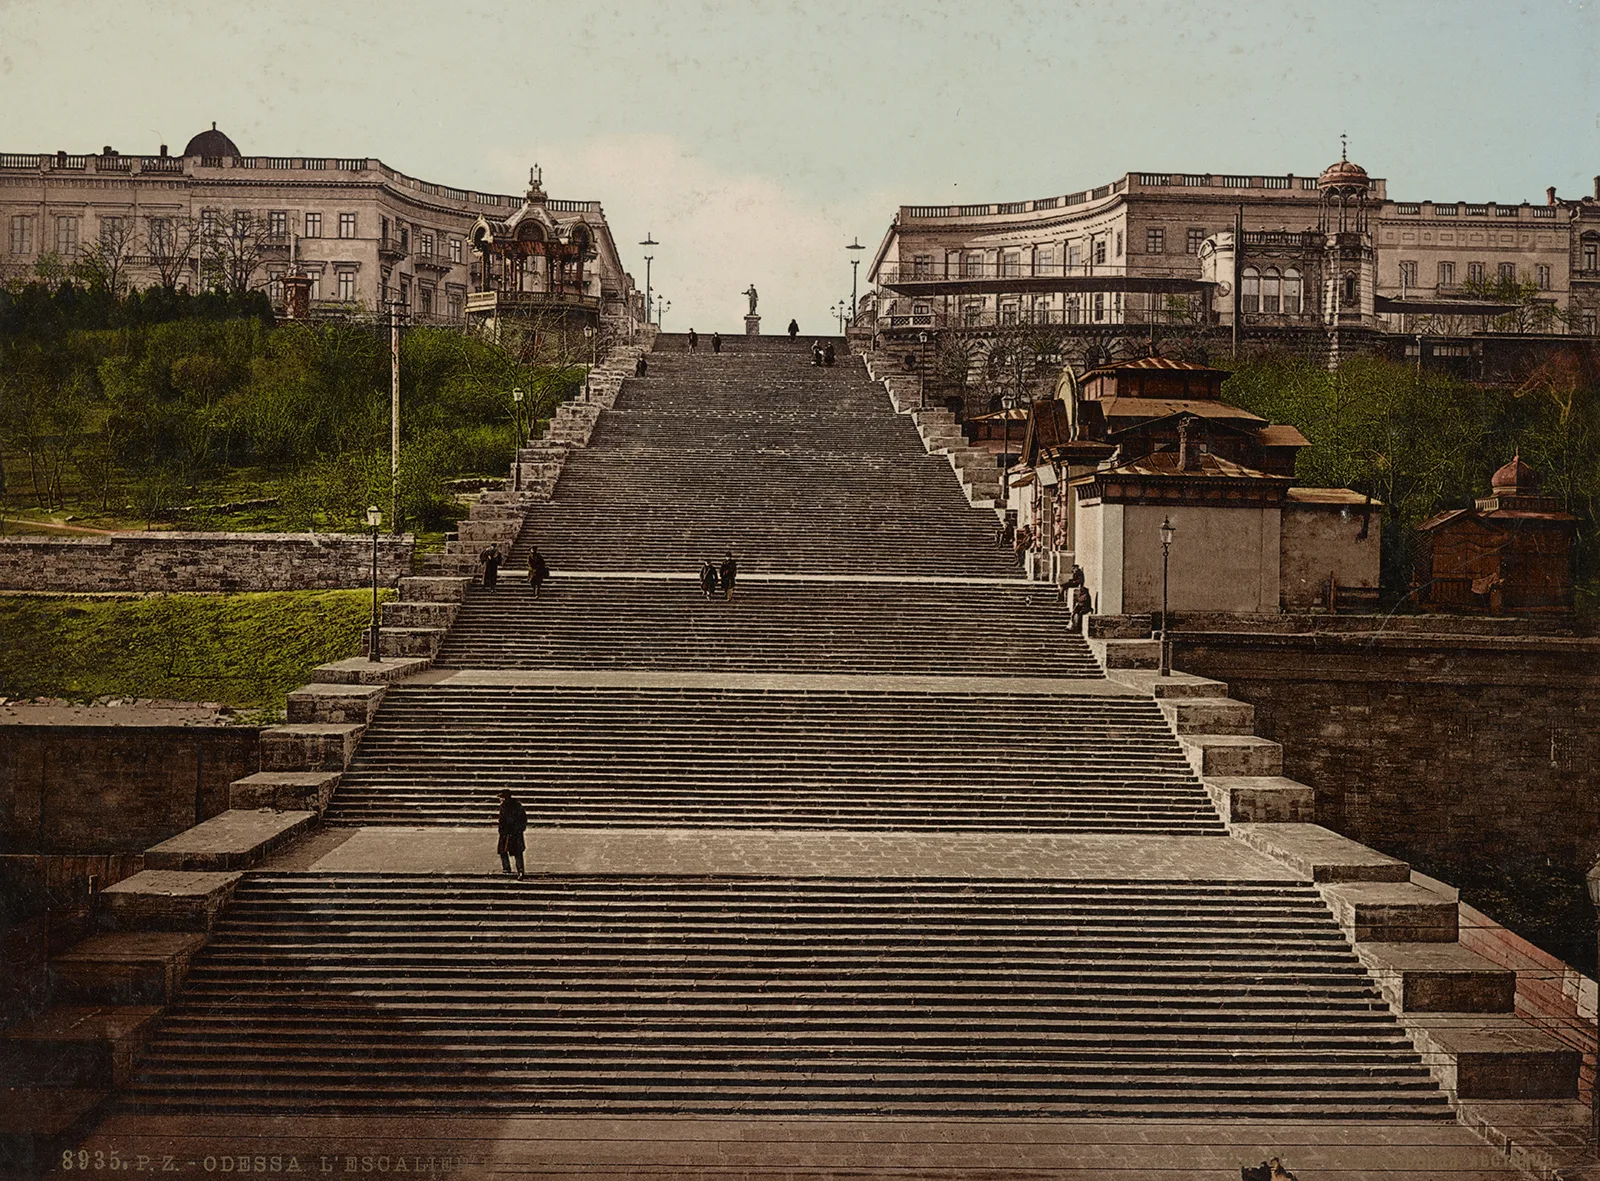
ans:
(247, 651)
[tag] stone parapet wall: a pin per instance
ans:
(202, 562)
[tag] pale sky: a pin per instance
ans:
(753, 140)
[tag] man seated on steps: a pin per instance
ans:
(513, 824)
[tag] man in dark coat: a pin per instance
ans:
(828, 357)
(513, 823)
(694, 341)
(538, 570)
(641, 366)
(794, 329)
(730, 568)
(708, 578)
(716, 342)
(491, 559)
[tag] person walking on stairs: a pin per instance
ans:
(708, 578)
(827, 355)
(694, 341)
(794, 329)
(491, 559)
(641, 366)
(513, 824)
(729, 570)
(716, 342)
(538, 570)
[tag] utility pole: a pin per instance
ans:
(394, 415)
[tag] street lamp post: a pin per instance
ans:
(663, 306)
(588, 331)
(516, 425)
(922, 366)
(855, 249)
(1167, 530)
(648, 241)
(374, 646)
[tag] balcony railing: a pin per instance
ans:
(393, 246)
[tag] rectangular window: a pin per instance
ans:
(1155, 240)
(1591, 256)
(1099, 304)
(1196, 236)
(316, 285)
(1408, 274)
(972, 266)
(1074, 256)
(275, 284)
(111, 231)
(1508, 272)
(347, 285)
(1541, 276)
(971, 314)
(1477, 272)
(313, 225)
(455, 250)
(458, 306)
(66, 236)
(1119, 243)
(1012, 265)
(425, 245)
(1008, 313)
(160, 236)
(1044, 261)
(241, 222)
(208, 222)
(22, 234)
(347, 225)
(1100, 251)
(425, 294)
(1447, 274)
(278, 223)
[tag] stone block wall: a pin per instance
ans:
(202, 562)
(114, 788)
(1429, 747)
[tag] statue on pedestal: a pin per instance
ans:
(751, 293)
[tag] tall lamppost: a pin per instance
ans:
(838, 310)
(588, 331)
(1167, 530)
(374, 522)
(855, 249)
(516, 426)
(648, 241)
(1008, 402)
(922, 370)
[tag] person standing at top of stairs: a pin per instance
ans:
(694, 341)
(513, 824)
(716, 342)
(794, 329)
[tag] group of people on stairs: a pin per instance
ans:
(491, 559)
(713, 576)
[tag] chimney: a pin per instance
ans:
(163, 151)
(1550, 195)
(1597, 188)
(1188, 446)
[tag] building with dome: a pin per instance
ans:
(1327, 259)
(353, 234)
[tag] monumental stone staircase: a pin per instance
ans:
(936, 694)
(387, 994)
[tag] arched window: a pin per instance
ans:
(1293, 292)
(1250, 290)
(1349, 291)
(1271, 283)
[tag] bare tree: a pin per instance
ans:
(104, 262)
(233, 253)
(171, 242)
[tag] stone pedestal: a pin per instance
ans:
(752, 325)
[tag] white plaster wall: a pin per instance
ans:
(1099, 552)
(1322, 539)
(1223, 559)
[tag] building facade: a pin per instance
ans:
(1133, 253)
(362, 233)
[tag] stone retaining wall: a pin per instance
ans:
(1429, 747)
(114, 788)
(202, 562)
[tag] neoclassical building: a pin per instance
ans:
(1270, 253)
(362, 233)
